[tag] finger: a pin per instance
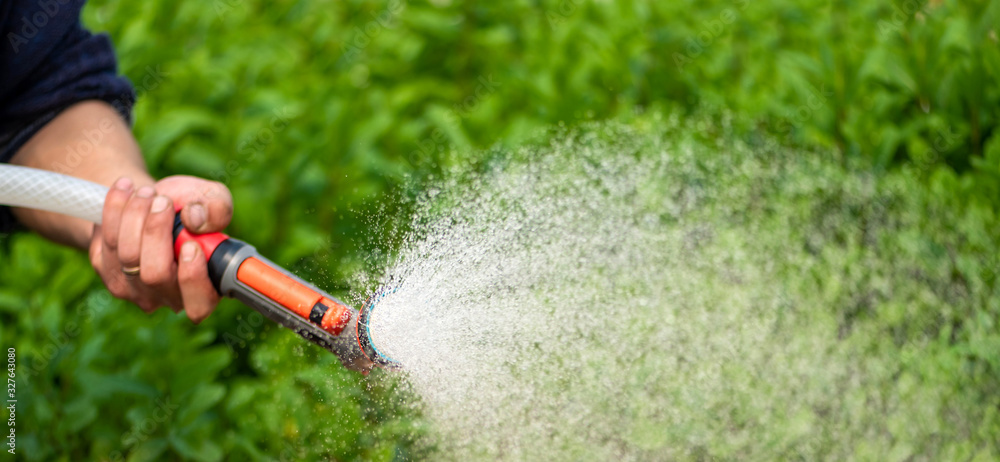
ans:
(197, 291)
(95, 250)
(107, 266)
(114, 204)
(157, 267)
(206, 206)
(148, 306)
(132, 224)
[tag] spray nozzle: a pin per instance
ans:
(365, 333)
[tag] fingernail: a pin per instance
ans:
(197, 216)
(123, 184)
(159, 204)
(145, 192)
(188, 250)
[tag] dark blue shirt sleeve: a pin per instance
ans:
(48, 62)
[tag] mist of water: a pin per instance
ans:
(626, 295)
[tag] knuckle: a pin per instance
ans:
(190, 273)
(220, 193)
(197, 316)
(128, 257)
(110, 239)
(154, 277)
(185, 275)
(148, 306)
(137, 212)
(175, 302)
(156, 223)
(118, 289)
(95, 260)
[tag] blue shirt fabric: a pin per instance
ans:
(48, 62)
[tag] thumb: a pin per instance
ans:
(205, 206)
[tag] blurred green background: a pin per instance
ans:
(321, 116)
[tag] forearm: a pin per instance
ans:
(89, 140)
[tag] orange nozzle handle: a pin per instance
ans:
(277, 286)
(293, 295)
(270, 282)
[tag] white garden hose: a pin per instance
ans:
(51, 191)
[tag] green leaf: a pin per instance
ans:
(78, 414)
(200, 449)
(203, 398)
(171, 126)
(148, 450)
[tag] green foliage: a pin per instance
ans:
(387, 89)
(314, 112)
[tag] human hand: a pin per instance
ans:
(133, 249)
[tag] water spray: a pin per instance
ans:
(236, 269)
